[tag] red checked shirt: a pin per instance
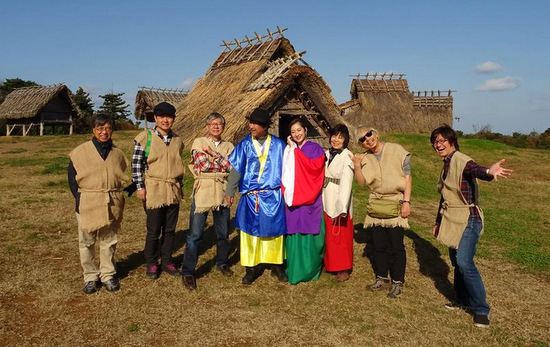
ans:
(467, 185)
(203, 163)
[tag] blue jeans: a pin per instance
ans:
(468, 284)
(197, 222)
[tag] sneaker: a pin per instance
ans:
(481, 320)
(225, 270)
(455, 306)
(342, 276)
(112, 285)
(152, 271)
(189, 282)
(171, 269)
(396, 290)
(380, 283)
(91, 287)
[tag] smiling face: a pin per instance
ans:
(443, 147)
(370, 141)
(298, 133)
(164, 123)
(337, 141)
(257, 130)
(103, 133)
(215, 128)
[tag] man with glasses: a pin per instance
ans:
(96, 175)
(459, 221)
(210, 169)
(157, 171)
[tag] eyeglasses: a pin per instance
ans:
(364, 137)
(440, 141)
(104, 128)
(215, 124)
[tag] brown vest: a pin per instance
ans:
(209, 188)
(455, 210)
(99, 182)
(165, 167)
(386, 180)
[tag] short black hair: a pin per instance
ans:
(447, 133)
(102, 119)
(341, 129)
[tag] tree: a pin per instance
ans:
(114, 106)
(84, 102)
(10, 84)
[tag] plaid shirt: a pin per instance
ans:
(467, 184)
(203, 163)
(139, 161)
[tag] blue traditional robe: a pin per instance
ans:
(260, 211)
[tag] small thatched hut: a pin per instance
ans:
(39, 106)
(147, 98)
(264, 71)
(384, 101)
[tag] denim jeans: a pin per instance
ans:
(468, 284)
(197, 222)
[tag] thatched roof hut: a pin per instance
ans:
(147, 98)
(264, 72)
(384, 101)
(39, 106)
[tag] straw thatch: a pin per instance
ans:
(385, 102)
(33, 102)
(268, 75)
(147, 98)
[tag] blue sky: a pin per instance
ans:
(495, 54)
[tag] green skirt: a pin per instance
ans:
(304, 255)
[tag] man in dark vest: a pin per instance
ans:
(96, 175)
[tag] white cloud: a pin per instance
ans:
(498, 84)
(188, 83)
(488, 67)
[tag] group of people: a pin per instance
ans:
(295, 208)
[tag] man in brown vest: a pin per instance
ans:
(157, 171)
(210, 168)
(96, 175)
(459, 221)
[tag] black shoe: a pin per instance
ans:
(455, 306)
(171, 269)
(279, 272)
(225, 270)
(252, 273)
(189, 282)
(91, 287)
(481, 320)
(112, 285)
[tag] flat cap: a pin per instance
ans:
(259, 116)
(164, 109)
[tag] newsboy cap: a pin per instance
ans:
(164, 109)
(259, 116)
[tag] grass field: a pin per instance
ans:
(41, 302)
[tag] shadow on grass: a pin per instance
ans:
(429, 259)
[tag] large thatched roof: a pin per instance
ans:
(269, 74)
(147, 98)
(27, 102)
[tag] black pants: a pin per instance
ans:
(389, 252)
(161, 227)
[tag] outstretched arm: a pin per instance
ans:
(496, 170)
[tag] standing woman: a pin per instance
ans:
(385, 168)
(303, 176)
(337, 205)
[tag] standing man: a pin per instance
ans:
(95, 175)
(210, 168)
(257, 163)
(157, 171)
(459, 221)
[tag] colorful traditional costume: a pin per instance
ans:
(260, 213)
(303, 177)
(337, 201)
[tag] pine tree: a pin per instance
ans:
(84, 102)
(114, 106)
